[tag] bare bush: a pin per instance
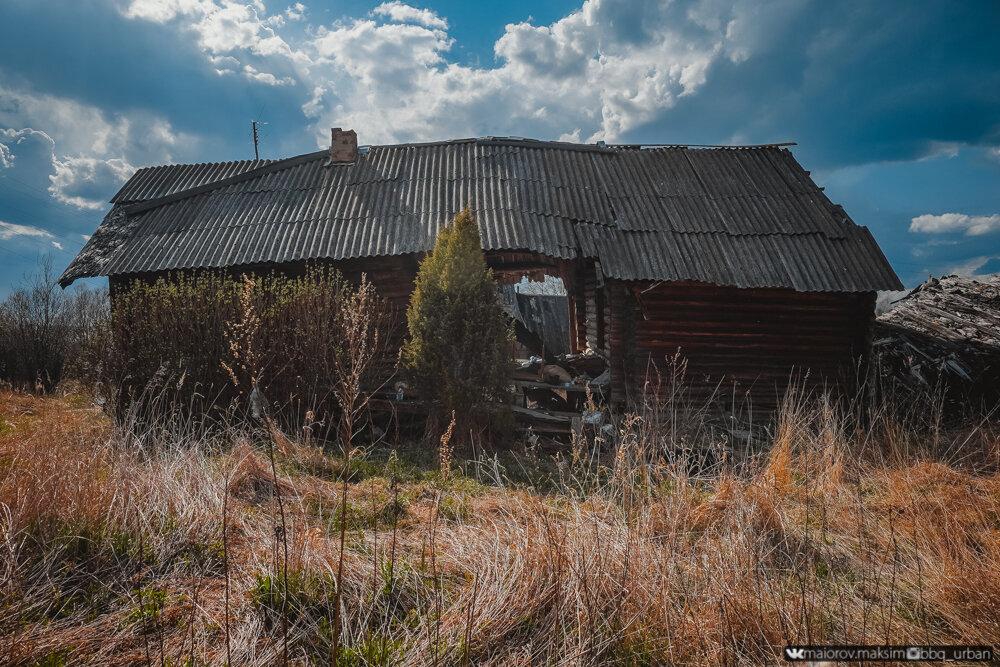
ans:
(47, 334)
(174, 332)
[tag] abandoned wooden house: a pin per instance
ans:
(732, 257)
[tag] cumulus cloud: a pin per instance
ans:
(224, 64)
(76, 128)
(237, 26)
(403, 13)
(11, 142)
(85, 182)
(9, 230)
(602, 71)
(25, 176)
(597, 73)
(161, 11)
(61, 119)
(314, 107)
(76, 152)
(607, 70)
(970, 225)
(296, 12)
(266, 77)
(221, 27)
(367, 52)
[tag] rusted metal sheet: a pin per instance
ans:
(748, 217)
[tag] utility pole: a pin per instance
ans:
(255, 123)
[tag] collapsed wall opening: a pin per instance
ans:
(540, 312)
(558, 388)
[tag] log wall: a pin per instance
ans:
(736, 341)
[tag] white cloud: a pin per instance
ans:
(314, 106)
(572, 137)
(61, 119)
(221, 27)
(231, 27)
(9, 230)
(11, 139)
(77, 151)
(605, 69)
(161, 11)
(598, 73)
(403, 13)
(266, 77)
(81, 129)
(224, 64)
(57, 245)
(969, 267)
(85, 182)
(970, 225)
(366, 52)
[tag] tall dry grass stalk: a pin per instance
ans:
(446, 449)
(120, 547)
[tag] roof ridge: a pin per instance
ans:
(264, 160)
(275, 165)
(491, 140)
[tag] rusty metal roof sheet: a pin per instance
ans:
(748, 217)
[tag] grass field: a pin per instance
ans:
(166, 547)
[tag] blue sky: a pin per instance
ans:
(895, 105)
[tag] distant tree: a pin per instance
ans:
(44, 330)
(459, 345)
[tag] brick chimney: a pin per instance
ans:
(343, 146)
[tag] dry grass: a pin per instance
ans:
(113, 549)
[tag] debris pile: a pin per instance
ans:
(563, 394)
(944, 336)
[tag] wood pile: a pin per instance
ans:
(944, 336)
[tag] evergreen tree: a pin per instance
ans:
(459, 345)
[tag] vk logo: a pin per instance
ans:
(795, 653)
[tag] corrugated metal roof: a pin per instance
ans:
(154, 182)
(748, 217)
